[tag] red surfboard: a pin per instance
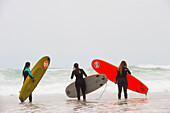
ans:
(110, 71)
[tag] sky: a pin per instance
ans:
(69, 31)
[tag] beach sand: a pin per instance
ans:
(108, 103)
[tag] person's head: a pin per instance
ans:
(76, 68)
(27, 64)
(76, 65)
(122, 64)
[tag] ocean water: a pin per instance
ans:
(49, 96)
(156, 78)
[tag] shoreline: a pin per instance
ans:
(154, 102)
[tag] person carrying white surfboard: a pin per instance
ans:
(122, 79)
(80, 83)
(26, 71)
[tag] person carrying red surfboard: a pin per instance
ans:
(122, 79)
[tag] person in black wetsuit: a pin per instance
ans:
(26, 71)
(80, 83)
(122, 79)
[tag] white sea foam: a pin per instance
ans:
(150, 66)
(157, 78)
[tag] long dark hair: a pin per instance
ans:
(27, 64)
(122, 64)
(76, 67)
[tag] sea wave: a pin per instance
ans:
(156, 77)
(150, 66)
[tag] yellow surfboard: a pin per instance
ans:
(37, 71)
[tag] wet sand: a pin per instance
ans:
(108, 103)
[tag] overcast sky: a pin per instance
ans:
(70, 31)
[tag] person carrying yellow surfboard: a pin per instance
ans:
(26, 71)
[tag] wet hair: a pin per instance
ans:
(27, 64)
(122, 64)
(76, 67)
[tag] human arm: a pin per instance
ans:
(29, 73)
(128, 71)
(84, 73)
(72, 75)
(118, 74)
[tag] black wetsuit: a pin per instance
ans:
(26, 73)
(80, 83)
(122, 81)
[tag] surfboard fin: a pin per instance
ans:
(97, 75)
(142, 88)
(68, 92)
(101, 84)
(22, 99)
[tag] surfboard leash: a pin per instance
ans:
(102, 92)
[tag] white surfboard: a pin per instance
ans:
(93, 82)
